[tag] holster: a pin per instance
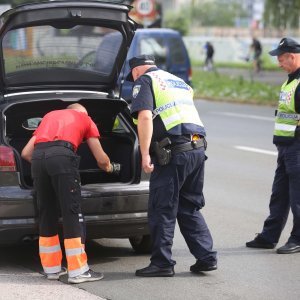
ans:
(162, 154)
(164, 149)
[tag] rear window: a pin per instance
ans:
(85, 47)
(177, 53)
(154, 46)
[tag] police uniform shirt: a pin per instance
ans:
(143, 99)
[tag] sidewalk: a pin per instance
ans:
(18, 282)
(33, 286)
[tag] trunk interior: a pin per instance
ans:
(118, 139)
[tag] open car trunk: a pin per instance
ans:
(118, 138)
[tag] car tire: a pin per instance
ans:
(141, 244)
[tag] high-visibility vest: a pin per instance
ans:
(286, 118)
(173, 100)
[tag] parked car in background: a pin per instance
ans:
(46, 65)
(169, 51)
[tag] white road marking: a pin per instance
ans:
(245, 116)
(256, 150)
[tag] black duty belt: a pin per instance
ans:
(187, 146)
(56, 143)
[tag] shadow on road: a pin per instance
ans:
(27, 256)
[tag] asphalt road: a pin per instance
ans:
(239, 173)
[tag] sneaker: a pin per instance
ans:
(55, 276)
(260, 242)
(289, 248)
(89, 275)
(200, 266)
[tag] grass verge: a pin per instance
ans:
(215, 86)
(267, 64)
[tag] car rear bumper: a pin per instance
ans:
(14, 231)
(116, 212)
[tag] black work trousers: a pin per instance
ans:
(57, 183)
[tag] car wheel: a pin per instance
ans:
(141, 244)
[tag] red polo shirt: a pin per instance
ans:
(66, 125)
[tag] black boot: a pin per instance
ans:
(154, 271)
(201, 266)
(260, 242)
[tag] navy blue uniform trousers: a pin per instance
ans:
(176, 192)
(285, 194)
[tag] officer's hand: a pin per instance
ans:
(147, 166)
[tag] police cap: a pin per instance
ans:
(286, 45)
(137, 61)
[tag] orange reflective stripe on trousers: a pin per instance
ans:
(50, 253)
(76, 257)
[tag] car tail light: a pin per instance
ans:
(190, 74)
(7, 159)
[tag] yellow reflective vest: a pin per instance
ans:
(173, 100)
(286, 118)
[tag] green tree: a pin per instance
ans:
(282, 14)
(178, 22)
(205, 13)
(216, 13)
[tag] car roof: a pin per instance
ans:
(157, 30)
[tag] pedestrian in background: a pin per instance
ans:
(286, 185)
(56, 180)
(172, 143)
(209, 54)
(256, 50)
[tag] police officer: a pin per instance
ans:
(171, 137)
(54, 166)
(286, 185)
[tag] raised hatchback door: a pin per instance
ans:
(54, 45)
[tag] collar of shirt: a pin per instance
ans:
(151, 69)
(137, 82)
(294, 75)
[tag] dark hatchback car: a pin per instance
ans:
(166, 45)
(169, 50)
(42, 46)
